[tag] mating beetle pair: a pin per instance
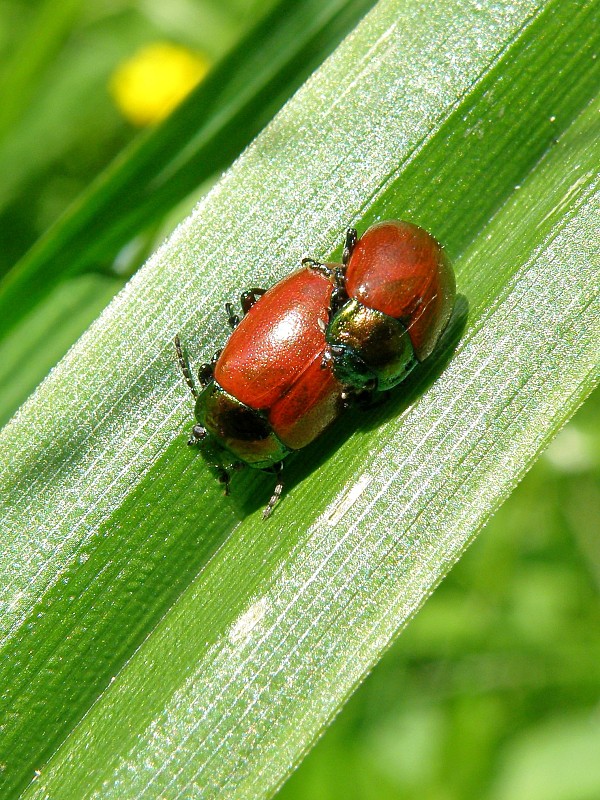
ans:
(323, 336)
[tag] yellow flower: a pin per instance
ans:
(152, 82)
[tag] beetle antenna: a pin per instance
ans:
(187, 376)
(276, 491)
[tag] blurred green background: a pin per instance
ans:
(59, 122)
(493, 691)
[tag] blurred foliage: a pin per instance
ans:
(59, 125)
(492, 692)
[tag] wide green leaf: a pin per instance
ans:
(234, 640)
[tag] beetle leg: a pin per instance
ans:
(224, 478)
(207, 371)
(250, 297)
(232, 318)
(339, 295)
(224, 473)
(327, 359)
(183, 365)
(349, 245)
(367, 397)
(318, 266)
(205, 374)
(344, 397)
(278, 468)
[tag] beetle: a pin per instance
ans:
(324, 336)
(394, 297)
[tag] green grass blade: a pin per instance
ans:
(201, 137)
(51, 25)
(111, 525)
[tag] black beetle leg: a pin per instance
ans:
(278, 468)
(205, 374)
(207, 371)
(224, 474)
(367, 397)
(327, 359)
(232, 318)
(349, 245)
(339, 295)
(250, 297)
(318, 266)
(224, 478)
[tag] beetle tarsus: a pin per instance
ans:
(276, 491)
(224, 478)
(318, 266)
(249, 298)
(339, 295)
(232, 318)
(205, 374)
(349, 245)
(207, 371)
(367, 397)
(326, 360)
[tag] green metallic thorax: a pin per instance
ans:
(368, 348)
(242, 431)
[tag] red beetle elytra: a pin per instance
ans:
(324, 335)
